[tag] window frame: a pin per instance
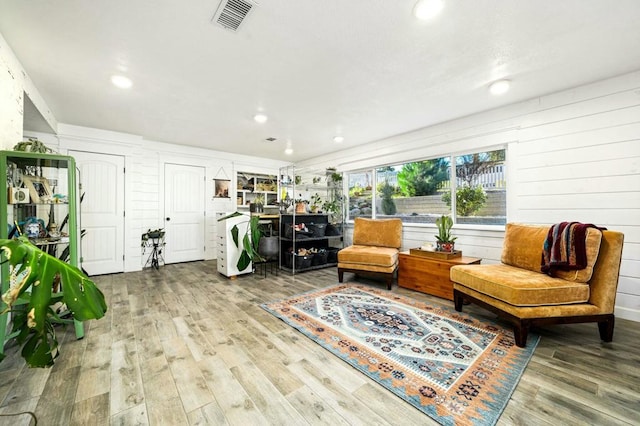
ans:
(453, 186)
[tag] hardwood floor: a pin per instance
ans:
(185, 345)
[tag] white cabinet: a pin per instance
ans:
(227, 253)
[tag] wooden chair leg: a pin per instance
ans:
(340, 275)
(520, 333)
(606, 329)
(458, 300)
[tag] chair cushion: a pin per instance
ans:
(523, 244)
(519, 287)
(367, 268)
(368, 255)
(377, 232)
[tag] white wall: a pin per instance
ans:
(14, 85)
(573, 155)
(144, 190)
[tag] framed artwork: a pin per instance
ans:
(221, 188)
(39, 189)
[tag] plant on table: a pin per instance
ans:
(445, 241)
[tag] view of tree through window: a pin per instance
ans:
(480, 188)
(421, 191)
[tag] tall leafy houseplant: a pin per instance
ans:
(250, 240)
(33, 275)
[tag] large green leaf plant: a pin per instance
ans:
(32, 274)
(250, 240)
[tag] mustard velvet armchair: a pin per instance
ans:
(376, 244)
(518, 291)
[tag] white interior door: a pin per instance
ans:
(184, 213)
(102, 211)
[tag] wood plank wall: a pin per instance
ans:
(572, 155)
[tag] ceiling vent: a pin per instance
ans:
(231, 13)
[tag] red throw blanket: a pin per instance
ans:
(565, 247)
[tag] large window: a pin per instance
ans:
(421, 191)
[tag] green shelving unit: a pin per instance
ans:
(38, 185)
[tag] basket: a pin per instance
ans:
(303, 262)
(332, 254)
(320, 258)
(288, 260)
(317, 229)
(332, 231)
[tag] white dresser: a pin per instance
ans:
(227, 252)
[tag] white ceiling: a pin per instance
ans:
(365, 69)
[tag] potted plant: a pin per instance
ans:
(257, 206)
(316, 202)
(301, 205)
(333, 176)
(34, 280)
(250, 240)
(445, 242)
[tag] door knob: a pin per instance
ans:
(168, 219)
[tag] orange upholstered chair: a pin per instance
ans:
(520, 292)
(376, 244)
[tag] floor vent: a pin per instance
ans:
(231, 13)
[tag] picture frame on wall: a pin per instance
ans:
(221, 188)
(39, 189)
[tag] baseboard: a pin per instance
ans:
(627, 313)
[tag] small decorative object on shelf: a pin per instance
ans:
(445, 242)
(257, 206)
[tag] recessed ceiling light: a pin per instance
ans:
(288, 151)
(338, 139)
(427, 9)
(121, 81)
(260, 118)
(499, 87)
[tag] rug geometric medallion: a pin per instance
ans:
(456, 369)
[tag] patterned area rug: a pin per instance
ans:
(454, 368)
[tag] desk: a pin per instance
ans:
(427, 275)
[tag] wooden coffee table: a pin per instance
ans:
(430, 276)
